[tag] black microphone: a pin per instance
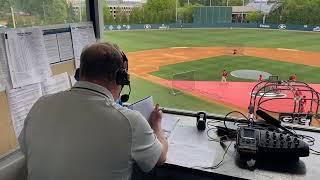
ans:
(125, 98)
(201, 121)
(271, 120)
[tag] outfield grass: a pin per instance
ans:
(142, 88)
(210, 69)
(153, 39)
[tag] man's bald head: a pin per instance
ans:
(100, 61)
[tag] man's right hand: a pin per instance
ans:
(156, 118)
(155, 123)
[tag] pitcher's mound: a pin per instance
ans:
(250, 74)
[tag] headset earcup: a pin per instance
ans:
(122, 77)
(118, 77)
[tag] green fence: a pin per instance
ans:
(212, 15)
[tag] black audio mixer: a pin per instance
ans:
(256, 142)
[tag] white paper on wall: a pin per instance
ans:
(4, 68)
(51, 44)
(65, 46)
(82, 36)
(20, 102)
(56, 84)
(27, 57)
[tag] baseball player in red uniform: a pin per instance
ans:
(293, 77)
(235, 51)
(302, 104)
(260, 78)
(298, 93)
(297, 97)
(224, 76)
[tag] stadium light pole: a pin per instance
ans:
(242, 11)
(176, 10)
(13, 18)
(44, 11)
(80, 11)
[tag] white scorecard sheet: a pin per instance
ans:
(82, 36)
(190, 156)
(56, 84)
(4, 69)
(144, 106)
(189, 148)
(20, 102)
(27, 56)
(168, 123)
(188, 135)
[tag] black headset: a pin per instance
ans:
(122, 77)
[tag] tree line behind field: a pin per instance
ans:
(40, 12)
(44, 12)
(162, 11)
(299, 12)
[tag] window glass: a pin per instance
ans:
(178, 51)
(18, 13)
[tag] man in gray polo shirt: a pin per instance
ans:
(83, 134)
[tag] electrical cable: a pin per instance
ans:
(226, 116)
(211, 127)
(314, 152)
(219, 163)
(230, 135)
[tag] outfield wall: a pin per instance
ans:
(212, 15)
(215, 25)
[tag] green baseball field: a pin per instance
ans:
(209, 68)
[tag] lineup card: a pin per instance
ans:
(4, 69)
(20, 102)
(27, 56)
(82, 36)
